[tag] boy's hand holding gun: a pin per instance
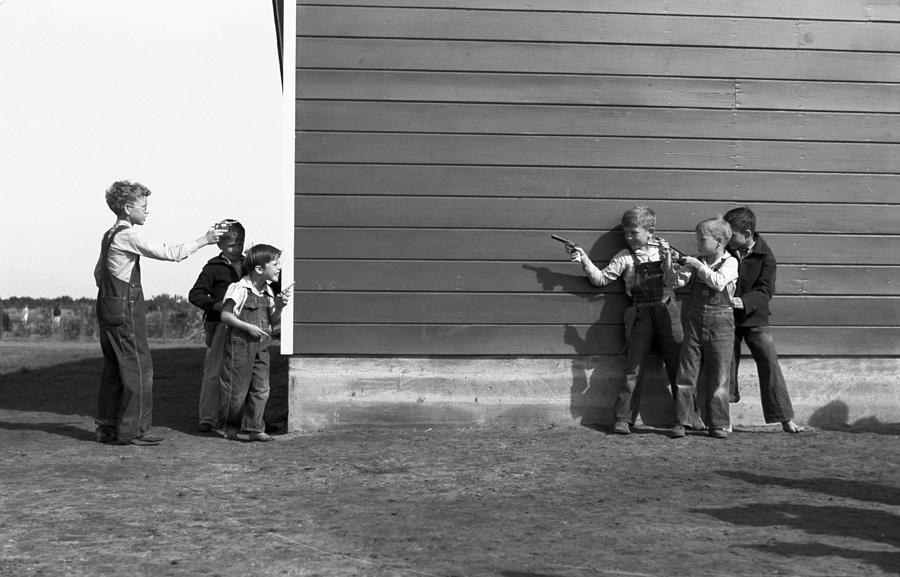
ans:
(669, 252)
(216, 231)
(576, 253)
(284, 296)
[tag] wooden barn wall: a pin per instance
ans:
(440, 143)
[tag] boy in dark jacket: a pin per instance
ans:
(207, 294)
(755, 287)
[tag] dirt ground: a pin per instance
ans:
(534, 501)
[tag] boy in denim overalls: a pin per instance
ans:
(704, 365)
(249, 310)
(653, 314)
(125, 403)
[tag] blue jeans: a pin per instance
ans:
(212, 370)
(660, 322)
(776, 402)
(704, 368)
(245, 382)
(125, 402)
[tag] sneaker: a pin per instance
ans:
(718, 433)
(621, 428)
(105, 434)
(677, 432)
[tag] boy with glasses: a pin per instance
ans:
(125, 404)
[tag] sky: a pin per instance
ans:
(182, 96)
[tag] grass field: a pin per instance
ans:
(534, 501)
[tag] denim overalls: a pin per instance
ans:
(706, 352)
(245, 371)
(125, 404)
(655, 316)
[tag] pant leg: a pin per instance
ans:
(776, 402)
(109, 398)
(688, 370)
(212, 370)
(131, 393)
(235, 379)
(734, 389)
(669, 334)
(629, 396)
(258, 395)
(718, 351)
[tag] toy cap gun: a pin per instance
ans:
(677, 255)
(570, 246)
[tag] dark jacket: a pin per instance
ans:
(211, 285)
(756, 285)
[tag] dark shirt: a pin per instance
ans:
(756, 284)
(211, 285)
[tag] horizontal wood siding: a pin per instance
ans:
(439, 144)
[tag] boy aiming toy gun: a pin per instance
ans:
(570, 246)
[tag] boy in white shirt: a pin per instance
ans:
(125, 404)
(249, 311)
(704, 365)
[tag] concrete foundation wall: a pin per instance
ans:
(324, 392)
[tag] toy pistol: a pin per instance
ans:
(226, 224)
(570, 246)
(677, 255)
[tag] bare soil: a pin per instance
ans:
(534, 501)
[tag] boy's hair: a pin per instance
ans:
(124, 192)
(717, 227)
(235, 229)
(260, 255)
(639, 216)
(741, 219)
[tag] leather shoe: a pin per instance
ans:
(105, 434)
(677, 432)
(718, 433)
(147, 440)
(621, 428)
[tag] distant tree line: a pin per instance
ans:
(169, 317)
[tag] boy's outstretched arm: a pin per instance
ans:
(597, 276)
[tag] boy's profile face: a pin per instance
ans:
(740, 239)
(232, 246)
(270, 271)
(637, 236)
(136, 211)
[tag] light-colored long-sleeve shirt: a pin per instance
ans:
(131, 242)
(724, 278)
(621, 265)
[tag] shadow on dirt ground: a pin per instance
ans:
(512, 501)
(70, 388)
